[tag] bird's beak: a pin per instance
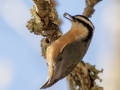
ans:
(71, 18)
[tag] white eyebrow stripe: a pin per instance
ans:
(85, 20)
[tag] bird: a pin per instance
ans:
(67, 51)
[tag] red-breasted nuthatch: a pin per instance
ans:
(67, 51)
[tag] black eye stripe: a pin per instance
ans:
(90, 29)
(83, 17)
(84, 23)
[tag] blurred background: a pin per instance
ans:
(23, 68)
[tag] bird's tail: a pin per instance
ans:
(51, 79)
(59, 73)
(49, 82)
(45, 84)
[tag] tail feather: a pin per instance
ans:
(52, 79)
(45, 84)
(48, 83)
(56, 77)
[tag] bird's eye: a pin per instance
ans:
(74, 19)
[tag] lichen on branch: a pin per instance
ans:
(44, 20)
(89, 9)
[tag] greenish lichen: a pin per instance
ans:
(35, 24)
(83, 77)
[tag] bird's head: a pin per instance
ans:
(81, 22)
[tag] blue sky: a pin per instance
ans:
(21, 65)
